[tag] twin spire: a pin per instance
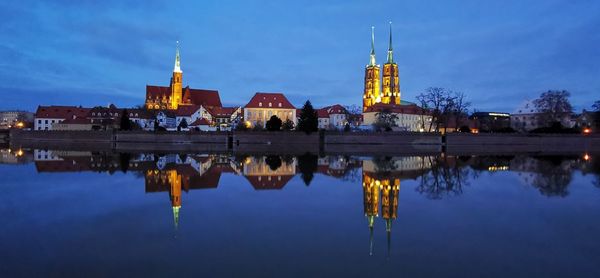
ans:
(390, 52)
(177, 67)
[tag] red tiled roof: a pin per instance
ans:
(404, 109)
(191, 96)
(262, 100)
(136, 113)
(206, 98)
(335, 109)
(322, 113)
(157, 91)
(186, 110)
(61, 112)
(201, 121)
(222, 111)
(275, 182)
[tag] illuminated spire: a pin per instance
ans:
(390, 53)
(372, 59)
(176, 216)
(177, 67)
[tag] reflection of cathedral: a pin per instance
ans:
(382, 190)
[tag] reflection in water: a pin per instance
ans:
(437, 176)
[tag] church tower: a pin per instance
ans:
(176, 82)
(371, 94)
(391, 82)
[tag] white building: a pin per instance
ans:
(410, 117)
(47, 116)
(263, 106)
(332, 117)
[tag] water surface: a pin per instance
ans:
(99, 214)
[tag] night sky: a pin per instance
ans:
(499, 53)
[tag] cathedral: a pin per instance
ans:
(374, 93)
(174, 96)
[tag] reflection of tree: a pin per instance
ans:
(384, 165)
(308, 164)
(273, 161)
(124, 159)
(553, 175)
(447, 177)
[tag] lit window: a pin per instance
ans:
(270, 104)
(260, 104)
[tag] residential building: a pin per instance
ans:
(409, 116)
(10, 119)
(166, 119)
(264, 105)
(47, 116)
(489, 121)
(226, 117)
(332, 117)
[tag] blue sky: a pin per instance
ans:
(98, 52)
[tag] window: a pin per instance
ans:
(46, 121)
(260, 104)
(270, 104)
(39, 121)
(280, 104)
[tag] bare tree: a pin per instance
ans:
(461, 106)
(433, 98)
(553, 106)
(596, 106)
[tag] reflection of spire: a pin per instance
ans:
(372, 58)
(176, 216)
(388, 228)
(371, 220)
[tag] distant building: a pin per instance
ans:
(410, 117)
(47, 116)
(74, 124)
(226, 117)
(489, 121)
(527, 117)
(9, 119)
(332, 117)
(166, 119)
(264, 105)
(105, 118)
(143, 118)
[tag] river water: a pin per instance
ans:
(103, 214)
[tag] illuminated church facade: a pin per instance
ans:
(375, 91)
(175, 95)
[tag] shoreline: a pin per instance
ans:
(386, 144)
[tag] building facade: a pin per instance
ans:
(409, 116)
(264, 105)
(46, 116)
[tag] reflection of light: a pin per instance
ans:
(586, 157)
(497, 168)
(587, 130)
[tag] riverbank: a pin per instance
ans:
(386, 143)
